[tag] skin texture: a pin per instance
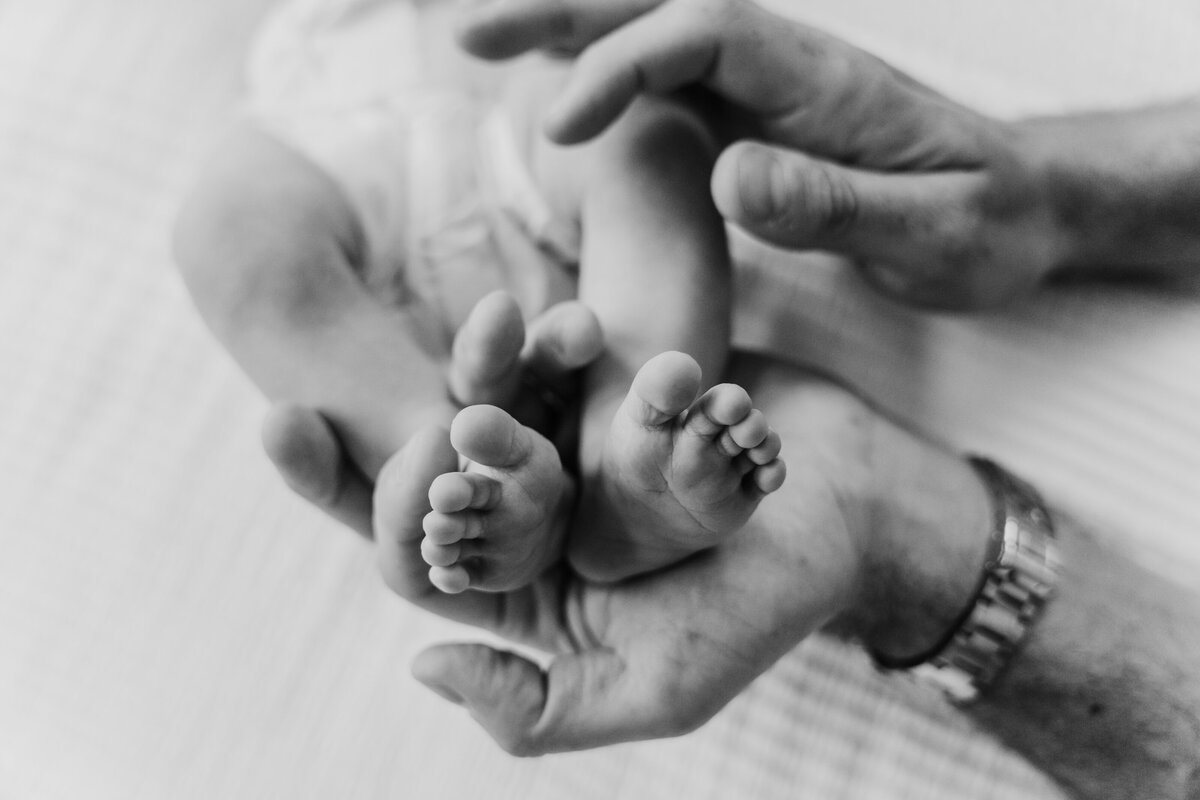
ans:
(681, 473)
(879, 533)
(307, 330)
(836, 150)
(1127, 693)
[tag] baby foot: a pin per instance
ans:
(401, 502)
(678, 475)
(499, 523)
(498, 360)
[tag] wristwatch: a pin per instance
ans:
(1018, 580)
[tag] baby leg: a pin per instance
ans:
(500, 522)
(270, 248)
(678, 475)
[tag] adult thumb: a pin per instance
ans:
(917, 234)
(786, 197)
(794, 200)
(503, 691)
(582, 700)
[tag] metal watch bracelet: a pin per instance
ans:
(1019, 576)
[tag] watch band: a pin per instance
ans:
(1018, 580)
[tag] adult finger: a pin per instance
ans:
(505, 28)
(800, 86)
(921, 235)
(311, 460)
(666, 49)
(767, 66)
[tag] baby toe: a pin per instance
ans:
(662, 389)
(489, 436)
(459, 491)
(450, 492)
(767, 450)
(751, 431)
(721, 406)
(770, 477)
(446, 529)
(451, 580)
(440, 555)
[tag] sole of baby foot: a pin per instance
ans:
(401, 502)
(500, 522)
(679, 473)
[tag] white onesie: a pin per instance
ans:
(430, 164)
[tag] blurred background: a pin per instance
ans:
(174, 624)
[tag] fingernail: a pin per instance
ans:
(762, 183)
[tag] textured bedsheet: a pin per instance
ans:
(173, 624)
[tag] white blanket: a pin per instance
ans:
(173, 624)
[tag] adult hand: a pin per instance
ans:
(877, 530)
(660, 654)
(938, 204)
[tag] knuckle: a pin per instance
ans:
(833, 198)
(950, 268)
(802, 199)
(954, 278)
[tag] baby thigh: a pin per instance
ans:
(267, 245)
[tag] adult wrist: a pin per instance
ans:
(1121, 189)
(929, 526)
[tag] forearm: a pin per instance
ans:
(1123, 187)
(1104, 695)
